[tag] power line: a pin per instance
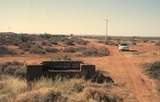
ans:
(106, 36)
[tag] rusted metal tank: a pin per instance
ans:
(65, 68)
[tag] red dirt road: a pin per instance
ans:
(126, 72)
(124, 69)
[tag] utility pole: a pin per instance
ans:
(106, 37)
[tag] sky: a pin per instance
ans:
(126, 17)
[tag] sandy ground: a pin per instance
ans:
(124, 69)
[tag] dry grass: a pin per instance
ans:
(46, 90)
(144, 54)
(10, 87)
(13, 68)
(153, 71)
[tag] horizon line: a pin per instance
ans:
(82, 34)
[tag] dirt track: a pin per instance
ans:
(126, 71)
(136, 81)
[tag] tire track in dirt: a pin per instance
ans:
(120, 67)
(135, 80)
(124, 70)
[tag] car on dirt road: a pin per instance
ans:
(123, 47)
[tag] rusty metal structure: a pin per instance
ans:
(65, 68)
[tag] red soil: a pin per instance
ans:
(124, 69)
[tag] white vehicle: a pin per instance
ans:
(123, 47)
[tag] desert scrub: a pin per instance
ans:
(66, 85)
(47, 90)
(157, 43)
(69, 42)
(4, 50)
(69, 49)
(99, 95)
(51, 49)
(95, 52)
(12, 86)
(69, 90)
(42, 95)
(37, 49)
(16, 69)
(153, 70)
(158, 87)
(79, 41)
(100, 78)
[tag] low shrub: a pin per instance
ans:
(80, 48)
(158, 87)
(102, 52)
(54, 97)
(14, 68)
(99, 95)
(24, 46)
(66, 57)
(89, 52)
(51, 49)
(101, 41)
(37, 49)
(47, 90)
(46, 43)
(69, 49)
(153, 70)
(100, 78)
(95, 52)
(5, 50)
(145, 41)
(78, 87)
(111, 42)
(42, 96)
(157, 43)
(69, 42)
(54, 42)
(80, 41)
(21, 72)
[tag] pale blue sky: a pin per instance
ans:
(126, 17)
